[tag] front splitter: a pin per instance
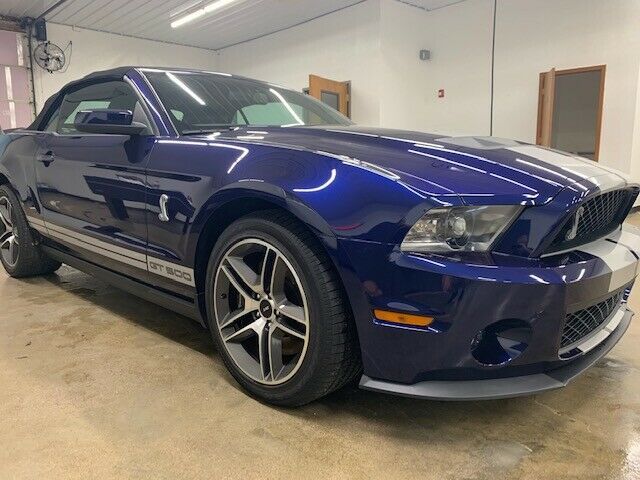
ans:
(495, 388)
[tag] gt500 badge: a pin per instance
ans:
(170, 270)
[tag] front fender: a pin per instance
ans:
(351, 199)
(17, 151)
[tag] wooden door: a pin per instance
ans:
(546, 98)
(333, 93)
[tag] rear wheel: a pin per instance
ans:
(20, 254)
(277, 311)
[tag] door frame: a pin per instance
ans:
(346, 99)
(594, 68)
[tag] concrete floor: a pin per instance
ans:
(95, 383)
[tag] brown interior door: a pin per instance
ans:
(333, 93)
(546, 99)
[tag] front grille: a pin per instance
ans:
(596, 217)
(578, 325)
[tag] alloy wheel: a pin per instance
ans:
(8, 233)
(261, 311)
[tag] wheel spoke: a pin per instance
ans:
(250, 279)
(233, 317)
(4, 236)
(274, 344)
(274, 286)
(290, 331)
(13, 250)
(5, 215)
(263, 352)
(266, 274)
(254, 328)
(294, 312)
(7, 242)
(9, 245)
(232, 279)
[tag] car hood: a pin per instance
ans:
(478, 169)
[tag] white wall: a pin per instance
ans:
(340, 46)
(93, 51)
(459, 39)
(535, 36)
(635, 151)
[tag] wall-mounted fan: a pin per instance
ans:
(49, 56)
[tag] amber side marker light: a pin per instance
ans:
(403, 318)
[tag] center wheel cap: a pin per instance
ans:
(266, 310)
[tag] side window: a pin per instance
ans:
(115, 94)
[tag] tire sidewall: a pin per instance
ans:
(292, 248)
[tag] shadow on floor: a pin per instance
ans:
(133, 309)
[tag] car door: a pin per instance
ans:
(91, 187)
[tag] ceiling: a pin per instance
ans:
(241, 21)
(431, 4)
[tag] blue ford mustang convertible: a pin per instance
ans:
(317, 252)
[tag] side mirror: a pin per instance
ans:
(108, 120)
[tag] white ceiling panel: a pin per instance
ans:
(237, 22)
(432, 4)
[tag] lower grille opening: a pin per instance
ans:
(580, 324)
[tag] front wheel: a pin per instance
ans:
(277, 312)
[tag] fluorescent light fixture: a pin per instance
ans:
(212, 7)
(184, 87)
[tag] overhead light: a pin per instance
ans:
(184, 87)
(212, 7)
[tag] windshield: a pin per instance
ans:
(202, 102)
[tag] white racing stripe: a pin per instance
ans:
(620, 259)
(175, 272)
(604, 177)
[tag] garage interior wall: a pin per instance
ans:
(533, 37)
(342, 46)
(376, 45)
(93, 51)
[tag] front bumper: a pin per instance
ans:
(467, 297)
(491, 389)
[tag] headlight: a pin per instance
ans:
(469, 229)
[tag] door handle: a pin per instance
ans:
(46, 158)
(164, 214)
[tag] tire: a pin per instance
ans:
(24, 258)
(300, 280)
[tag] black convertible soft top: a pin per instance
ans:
(111, 74)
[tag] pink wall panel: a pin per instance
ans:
(24, 115)
(3, 85)
(10, 53)
(15, 91)
(20, 84)
(5, 115)
(19, 90)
